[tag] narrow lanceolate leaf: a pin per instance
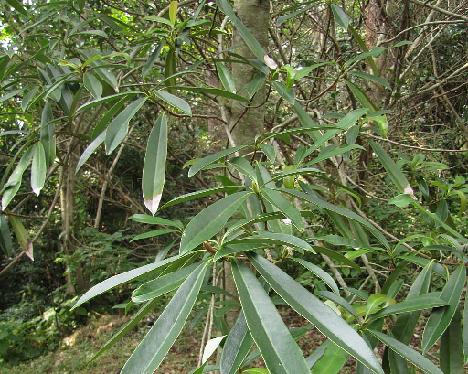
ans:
(154, 169)
(284, 205)
(107, 99)
(152, 234)
(47, 134)
(342, 211)
(13, 183)
(175, 101)
(225, 77)
(127, 276)
(22, 236)
(319, 272)
(237, 347)
(144, 310)
(407, 353)
(38, 168)
(198, 195)
(90, 149)
(6, 243)
(323, 317)
(244, 32)
(211, 220)
(415, 303)
(118, 128)
(151, 220)
(451, 347)
(394, 172)
(440, 318)
(465, 327)
(211, 159)
(276, 238)
(279, 350)
(149, 354)
(341, 17)
(162, 284)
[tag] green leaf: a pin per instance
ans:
(279, 350)
(225, 77)
(173, 12)
(284, 205)
(451, 347)
(13, 183)
(162, 285)
(118, 128)
(18, 6)
(244, 32)
(412, 304)
(303, 72)
(92, 84)
(465, 327)
(106, 118)
(175, 101)
(276, 238)
(198, 195)
(211, 220)
(22, 236)
(440, 318)
(407, 352)
(38, 168)
(401, 201)
(323, 275)
(237, 347)
(107, 99)
(394, 172)
(320, 315)
(206, 161)
(340, 16)
(333, 151)
(47, 134)
(151, 220)
(127, 276)
(337, 299)
(6, 242)
(142, 312)
(333, 359)
(213, 91)
(338, 257)
(154, 169)
(90, 149)
(315, 200)
(152, 234)
(149, 354)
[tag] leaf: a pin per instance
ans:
(151, 220)
(440, 318)
(90, 149)
(127, 276)
(175, 101)
(407, 352)
(170, 68)
(38, 168)
(412, 304)
(304, 71)
(394, 172)
(142, 312)
(244, 32)
(276, 198)
(6, 242)
(340, 16)
(149, 354)
(277, 238)
(152, 234)
(333, 151)
(323, 275)
(107, 99)
(92, 84)
(106, 118)
(333, 359)
(337, 299)
(198, 195)
(237, 347)
(315, 200)
(162, 285)
(47, 134)
(154, 169)
(118, 128)
(320, 315)
(211, 220)
(225, 77)
(451, 347)
(18, 6)
(465, 327)
(22, 236)
(206, 161)
(338, 257)
(279, 350)
(401, 201)
(13, 183)
(213, 91)
(211, 347)
(173, 11)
